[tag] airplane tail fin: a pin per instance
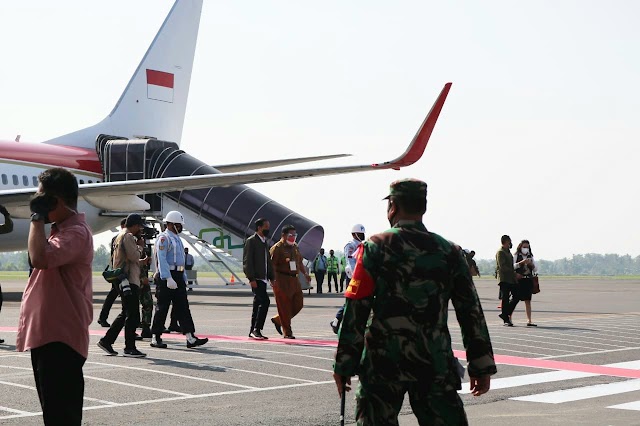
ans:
(154, 102)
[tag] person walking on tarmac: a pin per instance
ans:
(126, 253)
(287, 262)
(113, 293)
(171, 283)
(357, 234)
(258, 269)
(405, 278)
(343, 273)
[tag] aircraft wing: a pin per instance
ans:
(242, 167)
(99, 194)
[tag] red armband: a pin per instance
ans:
(361, 284)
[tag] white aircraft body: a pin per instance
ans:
(125, 164)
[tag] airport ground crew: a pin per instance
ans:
(406, 276)
(343, 273)
(287, 263)
(171, 283)
(333, 268)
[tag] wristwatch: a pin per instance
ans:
(37, 217)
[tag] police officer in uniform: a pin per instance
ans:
(170, 280)
(406, 277)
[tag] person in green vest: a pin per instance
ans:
(343, 273)
(332, 270)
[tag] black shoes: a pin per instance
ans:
(106, 347)
(197, 342)
(530, 324)
(146, 333)
(506, 319)
(1, 341)
(104, 323)
(256, 334)
(156, 342)
(290, 337)
(138, 337)
(133, 353)
(277, 326)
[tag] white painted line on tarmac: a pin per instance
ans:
(173, 374)
(584, 392)
(133, 385)
(635, 406)
(20, 412)
(545, 340)
(33, 388)
(605, 351)
(180, 398)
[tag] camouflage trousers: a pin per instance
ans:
(146, 301)
(379, 404)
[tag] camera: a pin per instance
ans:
(149, 233)
(125, 288)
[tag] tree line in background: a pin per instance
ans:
(578, 264)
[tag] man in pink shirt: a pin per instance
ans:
(57, 304)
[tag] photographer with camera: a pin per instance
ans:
(126, 254)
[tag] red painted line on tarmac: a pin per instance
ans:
(547, 364)
(561, 365)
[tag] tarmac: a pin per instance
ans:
(581, 365)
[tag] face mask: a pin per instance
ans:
(291, 239)
(265, 232)
(525, 250)
(391, 218)
(360, 237)
(178, 227)
(510, 245)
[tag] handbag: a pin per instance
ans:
(536, 285)
(114, 275)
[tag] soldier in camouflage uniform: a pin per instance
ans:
(407, 275)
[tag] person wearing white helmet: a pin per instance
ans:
(357, 233)
(170, 280)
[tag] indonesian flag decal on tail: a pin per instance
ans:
(160, 86)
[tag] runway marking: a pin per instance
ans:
(19, 412)
(561, 365)
(19, 385)
(586, 392)
(173, 374)
(133, 385)
(533, 341)
(604, 351)
(628, 406)
(178, 398)
(548, 377)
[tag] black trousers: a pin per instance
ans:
(343, 278)
(261, 304)
(108, 303)
(508, 306)
(319, 280)
(178, 297)
(129, 318)
(333, 275)
(57, 370)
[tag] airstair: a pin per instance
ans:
(221, 262)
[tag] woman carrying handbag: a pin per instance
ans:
(525, 268)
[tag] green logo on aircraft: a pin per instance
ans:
(220, 240)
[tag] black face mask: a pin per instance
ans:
(265, 232)
(510, 245)
(43, 204)
(391, 218)
(178, 227)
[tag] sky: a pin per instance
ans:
(538, 138)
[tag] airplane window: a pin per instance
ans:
(25, 180)
(89, 181)
(15, 180)
(4, 179)
(82, 181)
(35, 181)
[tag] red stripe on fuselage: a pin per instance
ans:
(160, 78)
(51, 155)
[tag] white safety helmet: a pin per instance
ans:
(174, 217)
(358, 228)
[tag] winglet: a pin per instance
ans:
(419, 143)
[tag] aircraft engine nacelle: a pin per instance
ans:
(233, 209)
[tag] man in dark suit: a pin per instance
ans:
(257, 267)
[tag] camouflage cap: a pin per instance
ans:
(411, 188)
